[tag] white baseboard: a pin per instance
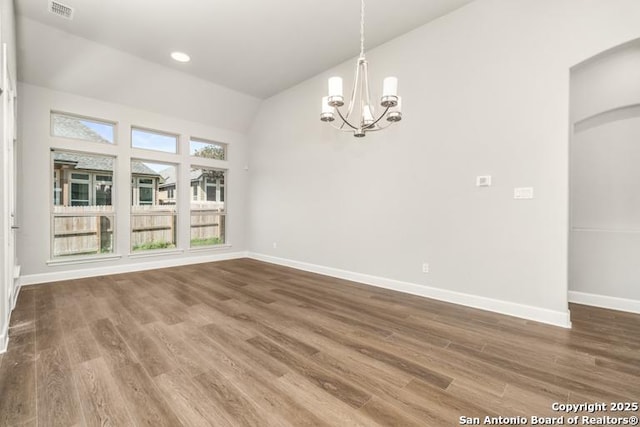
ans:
(556, 318)
(34, 279)
(4, 338)
(16, 292)
(603, 301)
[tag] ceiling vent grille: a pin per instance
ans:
(60, 9)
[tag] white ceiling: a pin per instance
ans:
(256, 47)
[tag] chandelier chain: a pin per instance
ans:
(361, 28)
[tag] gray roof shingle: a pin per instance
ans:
(99, 163)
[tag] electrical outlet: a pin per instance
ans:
(425, 267)
(275, 245)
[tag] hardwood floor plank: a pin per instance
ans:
(403, 364)
(229, 399)
(321, 378)
(58, 403)
(542, 375)
(330, 408)
(387, 414)
(282, 339)
(81, 346)
(23, 316)
(192, 407)
(143, 400)
(100, 398)
(112, 346)
(446, 404)
(180, 354)
(18, 385)
(222, 337)
(151, 355)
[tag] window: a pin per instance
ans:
(82, 212)
(57, 191)
(207, 149)
(76, 127)
(194, 191)
(208, 211)
(144, 191)
(80, 189)
(215, 188)
(103, 185)
(83, 218)
(153, 205)
(152, 140)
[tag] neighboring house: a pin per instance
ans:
(87, 180)
(206, 186)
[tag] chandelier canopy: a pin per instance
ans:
(360, 116)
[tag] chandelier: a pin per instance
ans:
(360, 116)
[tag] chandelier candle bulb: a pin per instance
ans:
(367, 116)
(327, 110)
(390, 87)
(335, 86)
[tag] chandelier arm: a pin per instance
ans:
(340, 128)
(381, 127)
(345, 120)
(379, 118)
(352, 101)
(365, 83)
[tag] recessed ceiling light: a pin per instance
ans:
(180, 56)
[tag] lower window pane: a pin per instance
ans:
(207, 228)
(153, 231)
(82, 235)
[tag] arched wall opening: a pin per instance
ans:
(604, 234)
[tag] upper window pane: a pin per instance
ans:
(81, 179)
(208, 188)
(156, 141)
(68, 126)
(208, 149)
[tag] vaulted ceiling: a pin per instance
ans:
(253, 46)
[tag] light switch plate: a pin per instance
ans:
(522, 193)
(483, 181)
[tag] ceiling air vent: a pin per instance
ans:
(60, 9)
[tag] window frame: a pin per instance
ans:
(154, 209)
(175, 136)
(61, 176)
(80, 117)
(221, 213)
(223, 145)
(114, 145)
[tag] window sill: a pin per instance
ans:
(211, 248)
(82, 260)
(155, 252)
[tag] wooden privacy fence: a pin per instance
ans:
(81, 230)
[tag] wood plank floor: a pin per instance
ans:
(245, 343)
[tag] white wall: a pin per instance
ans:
(61, 61)
(7, 35)
(605, 203)
(485, 91)
(35, 183)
